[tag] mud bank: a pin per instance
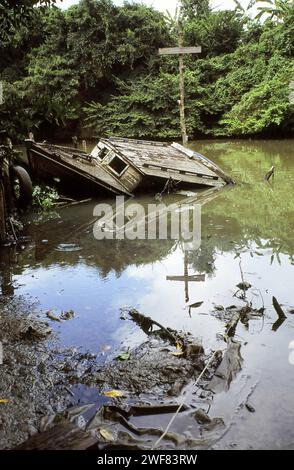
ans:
(37, 378)
(34, 380)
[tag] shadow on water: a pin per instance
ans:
(63, 267)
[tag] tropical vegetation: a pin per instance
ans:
(94, 69)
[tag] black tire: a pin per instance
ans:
(25, 191)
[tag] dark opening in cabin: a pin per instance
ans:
(118, 165)
(102, 153)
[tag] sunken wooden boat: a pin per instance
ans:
(124, 166)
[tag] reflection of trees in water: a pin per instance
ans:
(203, 259)
(117, 255)
(254, 215)
(67, 243)
(254, 212)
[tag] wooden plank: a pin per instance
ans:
(205, 161)
(114, 140)
(193, 179)
(173, 169)
(63, 436)
(182, 83)
(168, 158)
(179, 50)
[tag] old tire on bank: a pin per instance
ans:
(22, 186)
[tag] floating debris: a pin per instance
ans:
(281, 315)
(52, 317)
(250, 408)
(228, 369)
(244, 286)
(68, 315)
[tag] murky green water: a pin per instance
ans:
(64, 267)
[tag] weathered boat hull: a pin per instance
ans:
(45, 166)
(124, 166)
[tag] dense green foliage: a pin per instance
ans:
(96, 65)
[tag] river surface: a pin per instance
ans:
(245, 231)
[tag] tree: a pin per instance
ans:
(16, 13)
(218, 33)
(193, 8)
(276, 9)
(97, 64)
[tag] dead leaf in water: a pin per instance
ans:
(177, 353)
(4, 401)
(114, 394)
(106, 434)
(219, 307)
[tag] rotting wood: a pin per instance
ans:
(192, 155)
(179, 50)
(240, 315)
(281, 315)
(44, 160)
(146, 323)
(182, 88)
(232, 325)
(160, 160)
(64, 436)
(143, 163)
(74, 203)
(278, 308)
